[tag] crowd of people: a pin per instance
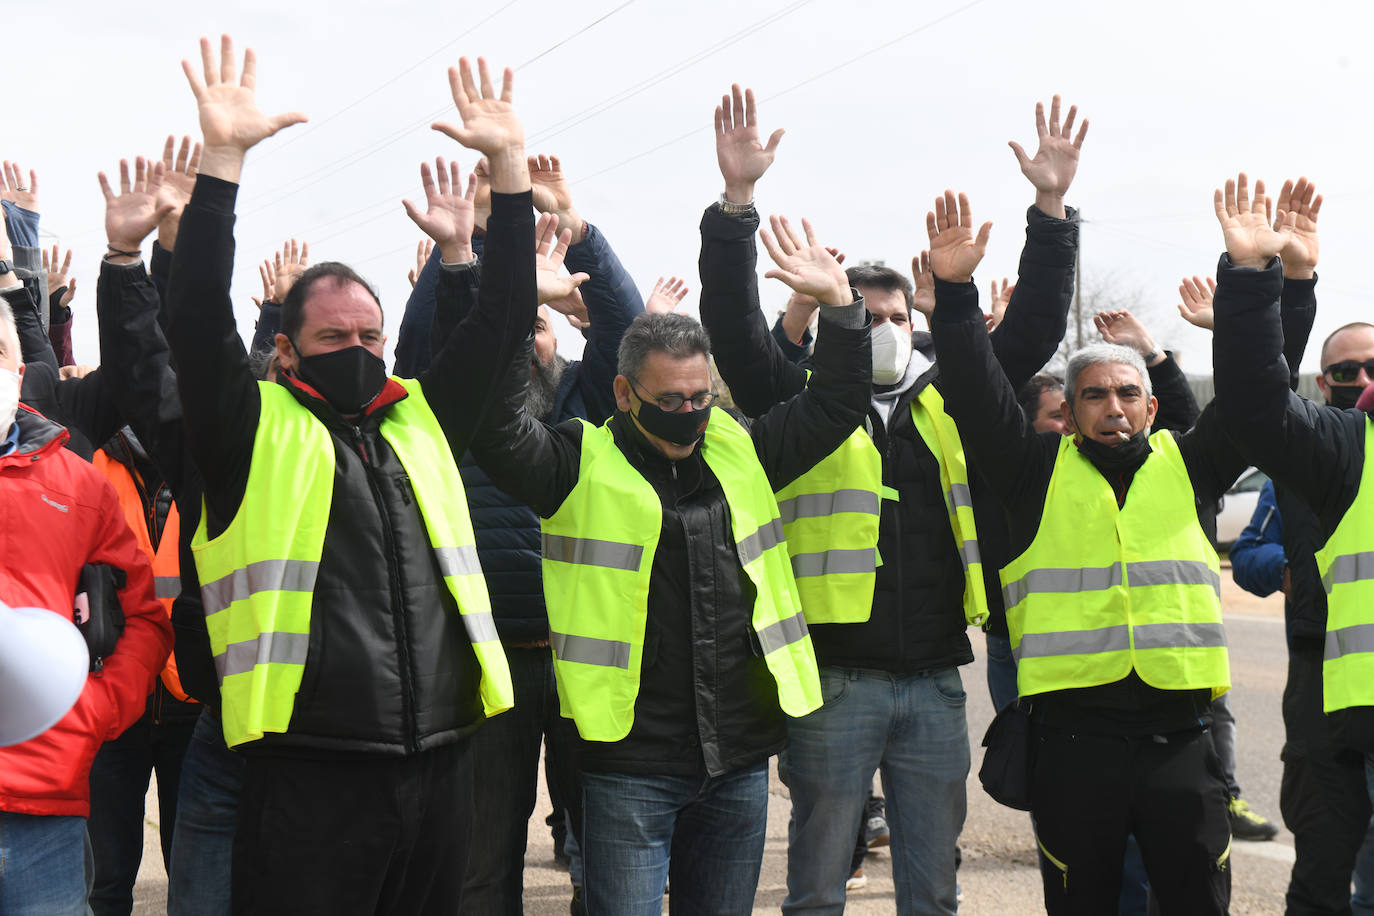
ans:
(349, 610)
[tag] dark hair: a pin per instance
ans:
(876, 276)
(1332, 336)
(293, 309)
(680, 336)
(1028, 395)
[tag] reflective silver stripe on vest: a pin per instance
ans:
(1347, 568)
(1180, 636)
(267, 649)
(591, 552)
(959, 496)
(458, 561)
(970, 554)
(1087, 579)
(480, 627)
(1172, 572)
(819, 505)
(1349, 640)
(262, 576)
(768, 536)
(782, 634)
(166, 586)
(1074, 642)
(860, 560)
(588, 650)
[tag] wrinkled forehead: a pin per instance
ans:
(663, 373)
(1353, 343)
(1108, 375)
(9, 346)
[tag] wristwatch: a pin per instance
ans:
(734, 209)
(6, 267)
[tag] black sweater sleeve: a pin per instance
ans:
(757, 372)
(1178, 409)
(464, 376)
(220, 402)
(1315, 451)
(1038, 312)
(1297, 312)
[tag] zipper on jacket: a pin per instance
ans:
(397, 614)
(898, 616)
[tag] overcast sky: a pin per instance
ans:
(885, 104)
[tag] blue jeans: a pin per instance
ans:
(505, 754)
(707, 835)
(914, 729)
(119, 782)
(207, 807)
(1001, 671)
(45, 865)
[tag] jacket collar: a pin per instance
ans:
(392, 392)
(38, 437)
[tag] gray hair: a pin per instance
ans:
(11, 331)
(679, 336)
(1093, 354)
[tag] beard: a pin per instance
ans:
(543, 387)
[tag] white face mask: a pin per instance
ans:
(9, 399)
(891, 352)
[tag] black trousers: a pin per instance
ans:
(354, 835)
(1323, 795)
(1088, 792)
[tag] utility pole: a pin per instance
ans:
(1078, 284)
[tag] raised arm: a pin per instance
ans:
(219, 394)
(1036, 315)
(1178, 408)
(1298, 304)
(977, 393)
(758, 373)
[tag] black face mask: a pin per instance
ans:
(1126, 456)
(1344, 396)
(349, 379)
(679, 427)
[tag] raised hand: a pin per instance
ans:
(553, 194)
(490, 124)
(666, 296)
(742, 159)
(551, 246)
(230, 121)
(16, 190)
(999, 300)
(1052, 168)
(135, 212)
(1196, 307)
(449, 218)
(1299, 256)
(1121, 327)
(179, 170)
(1250, 239)
(954, 250)
(288, 265)
(422, 252)
(268, 274)
(804, 264)
(572, 308)
(481, 201)
(59, 271)
(923, 298)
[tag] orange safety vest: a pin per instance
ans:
(166, 558)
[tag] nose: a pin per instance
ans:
(1363, 378)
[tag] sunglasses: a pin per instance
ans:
(1347, 370)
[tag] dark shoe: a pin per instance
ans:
(876, 833)
(1248, 824)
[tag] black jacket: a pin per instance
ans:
(706, 699)
(390, 668)
(1017, 463)
(918, 618)
(1314, 452)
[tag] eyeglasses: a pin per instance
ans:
(672, 403)
(1347, 370)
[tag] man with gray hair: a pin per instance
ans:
(677, 632)
(1112, 604)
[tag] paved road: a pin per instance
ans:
(999, 875)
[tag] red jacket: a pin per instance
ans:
(58, 513)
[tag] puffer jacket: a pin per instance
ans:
(57, 514)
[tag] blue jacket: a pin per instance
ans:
(1257, 559)
(507, 530)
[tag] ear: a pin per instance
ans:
(1323, 386)
(1150, 410)
(286, 354)
(1064, 411)
(622, 392)
(20, 371)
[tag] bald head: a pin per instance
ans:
(9, 341)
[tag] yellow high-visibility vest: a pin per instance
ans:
(598, 557)
(1103, 589)
(258, 575)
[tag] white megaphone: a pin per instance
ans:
(43, 668)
